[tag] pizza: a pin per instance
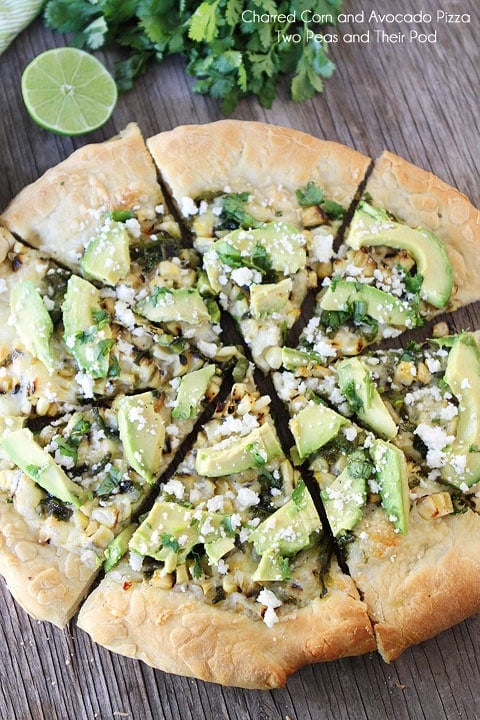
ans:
(204, 411)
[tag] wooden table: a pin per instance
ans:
(420, 100)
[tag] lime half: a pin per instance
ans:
(68, 91)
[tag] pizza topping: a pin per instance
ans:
(314, 426)
(39, 465)
(192, 390)
(283, 534)
(372, 226)
(392, 477)
(167, 305)
(238, 454)
(462, 374)
(345, 495)
(30, 317)
(107, 257)
(356, 384)
(88, 343)
(271, 602)
(142, 432)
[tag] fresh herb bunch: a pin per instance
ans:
(232, 47)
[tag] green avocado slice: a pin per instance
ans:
(462, 375)
(38, 464)
(382, 306)
(372, 226)
(32, 321)
(356, 384)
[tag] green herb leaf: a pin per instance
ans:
(233, 208)
(309, 195)
(170, 542)
(229, 57)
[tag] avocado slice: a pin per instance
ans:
(392, 478)
(293, 359)
(8, 424)
(118, 547)
(171, 531)
(142, 432)
(257, 448)
(284, 245)
(382, 306)
(107, 257)
(87, 339)
(38, 464)
(358, 387)
(372, 226)
(462, 375)
(270, 297)
(314, 426)
(191, 392)
(179, 304)
(284, 533)
(345, 498)
(32, 321)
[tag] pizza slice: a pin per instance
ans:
(402, 502)
(68, 486)
(65, 341)
(229, 576)
(411, 251)
(63, 210)
(264, 205)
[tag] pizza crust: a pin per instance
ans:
(199, 159)
(60, 212)
(47, 582)
(178, 633)
(417, 585)
(419, 198)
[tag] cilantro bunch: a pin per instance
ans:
(233, 48)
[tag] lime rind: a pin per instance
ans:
(68, 91)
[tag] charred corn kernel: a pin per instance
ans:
(440, 329)
(204, 224)
(434, 506)
(170, 227)
(423, 373)
(182, 574)
(313, 216)
(405, 373)
(162, 580)
(229, 585)
(324, 269)
(105, 515)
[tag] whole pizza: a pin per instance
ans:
(205, 414)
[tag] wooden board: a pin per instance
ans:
(418, 100)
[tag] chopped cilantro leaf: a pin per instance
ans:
(233, 208)
(310, 195)
(353, 398)
(101, 318)
(122, 215)
(170, 542)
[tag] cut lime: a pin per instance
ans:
(68, 91)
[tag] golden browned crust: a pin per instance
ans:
(419, 584)
(60, 212)
(48, 582)
(177, 633)
(197, 159)
(419, 198)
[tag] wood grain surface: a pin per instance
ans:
(419, 100)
